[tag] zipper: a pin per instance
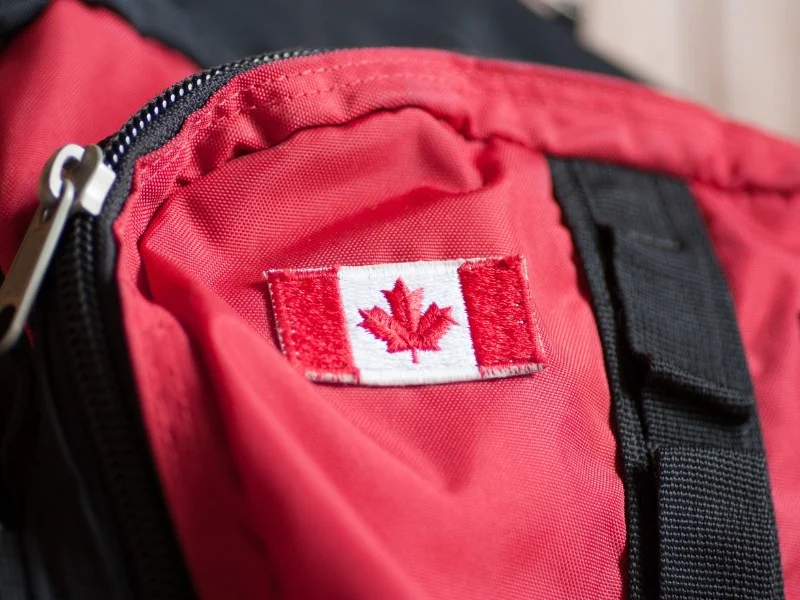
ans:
(75, 179)
(81, 192)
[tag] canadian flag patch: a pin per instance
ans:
(408, 323)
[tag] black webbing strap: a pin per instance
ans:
(699, 513)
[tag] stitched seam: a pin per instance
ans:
(307, 72)
(506, 74)
(210, 120)
(210, 125)
(653, 120)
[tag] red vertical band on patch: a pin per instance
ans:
(502, 318)
(310, 321)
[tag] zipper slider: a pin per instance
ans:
(75, 179)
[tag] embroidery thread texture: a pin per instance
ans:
(407, 328)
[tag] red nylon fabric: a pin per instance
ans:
(756, 235)
(281, 487)
(499, 489)
(309, 319)
(502, 318)
(74, 75)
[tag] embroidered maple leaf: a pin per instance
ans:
(407, 328)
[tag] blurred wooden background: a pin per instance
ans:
(741, 57)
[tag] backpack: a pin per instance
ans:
(388, 323)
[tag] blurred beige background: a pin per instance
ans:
(741, 57)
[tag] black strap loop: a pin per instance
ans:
(699, 512)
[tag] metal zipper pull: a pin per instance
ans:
(75, 179)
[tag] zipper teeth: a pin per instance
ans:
(86, 338)
(120, 143)
(106, 424)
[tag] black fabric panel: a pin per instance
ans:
(55, 542)
(213, 32)
(15, 14)
(698, 507)
(218, 31)
(72, 539)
